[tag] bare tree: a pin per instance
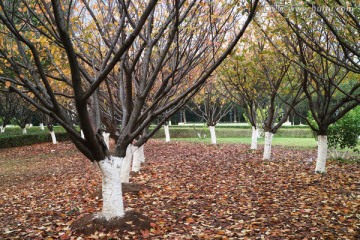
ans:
(211, 106)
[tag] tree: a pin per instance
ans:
(7, 108)
(266, 83)
(244, 87)
(23, 114)
(150, 49)
(322, 24)
(210, 105)
(330, 86)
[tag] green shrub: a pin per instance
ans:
(28, 139)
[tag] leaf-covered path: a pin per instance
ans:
(192, 191)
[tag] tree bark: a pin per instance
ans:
(126, 164)
(267, 145)
(322, 154)
(111, 187)
(212, 134)
(82, 134)
(53, 137)
(254, 135)
(167, 133)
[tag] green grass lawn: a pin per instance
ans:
(289, 142)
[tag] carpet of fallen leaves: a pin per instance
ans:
(191, 191)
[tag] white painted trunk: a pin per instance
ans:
(167, 133)
(136, 159)
(106, 137)
(82, 134)
(30, 125)
(212, 134)
(53, 137)
(142, 155)
(24, 131)
(322, 154)
(267, 145)
(111, 187)
(254, 136)
(42, 127)
(126, 164)
(2, 129)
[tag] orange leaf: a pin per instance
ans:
(145, 233)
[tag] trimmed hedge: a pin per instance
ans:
(222, 132)
(28, 139)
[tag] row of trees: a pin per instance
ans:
(296, 54)
(112, 62)
(14, 109)
(131, 63)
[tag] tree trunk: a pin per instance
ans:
(136, 159)
(24, 131)
(53, 137)
(82, 134)
(42, 127)
(184, 116)
(167, 133)
(212, 134)
(111, 187)
(126, 164)
(106, 137)
(267, 145)
(254, 135)
(142, 155)
(2, 129)
(322, 154)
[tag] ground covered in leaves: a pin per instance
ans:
(190, 191)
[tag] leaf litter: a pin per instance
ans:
(190, 191)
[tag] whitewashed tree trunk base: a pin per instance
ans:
(254, 136)
(82, 134)
(53, 137)
(321, 154)
(106, 137)
(111, 187)
(24, 131)
(2, 129)
(167, 133)
(267, 145)
(42, 128)
(126, 164)
(212, 134)
(142, 154)
(136, 159)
